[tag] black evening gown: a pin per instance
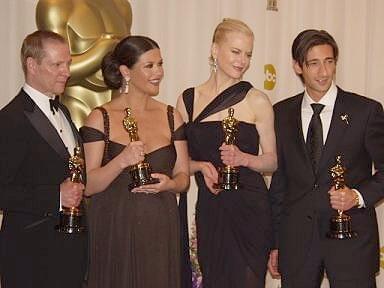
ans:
(234, 227)
(134, 237)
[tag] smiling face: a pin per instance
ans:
(50, 74)
(147, 73)
(233, 54)
(318, 70)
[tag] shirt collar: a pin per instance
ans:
(328, 99)
(41, 100)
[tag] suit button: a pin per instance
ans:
(316, 186)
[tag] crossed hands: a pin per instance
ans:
(230, 155)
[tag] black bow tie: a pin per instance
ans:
(54, 104)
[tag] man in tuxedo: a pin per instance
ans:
(37, 139)
(312, 129)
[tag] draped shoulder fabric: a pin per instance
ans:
(234, 227)
(135, 237)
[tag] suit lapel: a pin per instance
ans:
(73, 127)
(44, 127)
(78, 139)
(338, 126)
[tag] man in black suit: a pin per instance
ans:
(312, 128)
(36, 142)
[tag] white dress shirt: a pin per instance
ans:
(58, 120)
(328, 100)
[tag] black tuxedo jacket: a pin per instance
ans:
(34, 162)
(299, 197)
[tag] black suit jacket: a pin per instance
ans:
(34, 162)
(299, 197)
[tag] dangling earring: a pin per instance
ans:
(125, 87)
(214, 65)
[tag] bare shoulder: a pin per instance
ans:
(177, 118)
(203, 89)
(95, 120)
(259, 105)
(257, 98)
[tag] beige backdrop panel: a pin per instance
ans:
(184, 29)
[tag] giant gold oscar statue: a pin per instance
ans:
(92, 28)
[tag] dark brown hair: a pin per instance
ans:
(126, 52)
(308, 39)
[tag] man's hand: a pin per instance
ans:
(273, 264)
(71, 193)
(343, 199)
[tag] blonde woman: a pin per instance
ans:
(233, 226)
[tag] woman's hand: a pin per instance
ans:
(210, 176)
(165, 184)
(232, 156)
(132, 154)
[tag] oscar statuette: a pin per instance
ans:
(72, 218)
(340, 224)
(228, 178)
(140, 172)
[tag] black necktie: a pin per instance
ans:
(54, 104)
(315, 136)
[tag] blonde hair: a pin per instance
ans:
(33, 46)
(230, 25)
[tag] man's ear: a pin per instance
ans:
(31, 65)
(124, 70)
(297, 68)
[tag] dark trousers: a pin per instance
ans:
(312, 272)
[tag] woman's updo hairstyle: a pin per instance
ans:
(226, 26)
(126, 52)
(230, 25)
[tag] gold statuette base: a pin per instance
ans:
(141, 175)
(228, 178)
(341, 227)
(71, 221)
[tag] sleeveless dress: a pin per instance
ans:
(134, 237)
(234, 232)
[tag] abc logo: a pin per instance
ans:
(382, 257)
(270, 77)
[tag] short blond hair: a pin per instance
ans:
(230, 25)
(33, 46)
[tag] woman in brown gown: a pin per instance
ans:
(135, 237)
(233, 226)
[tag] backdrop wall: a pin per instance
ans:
(184, 28)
